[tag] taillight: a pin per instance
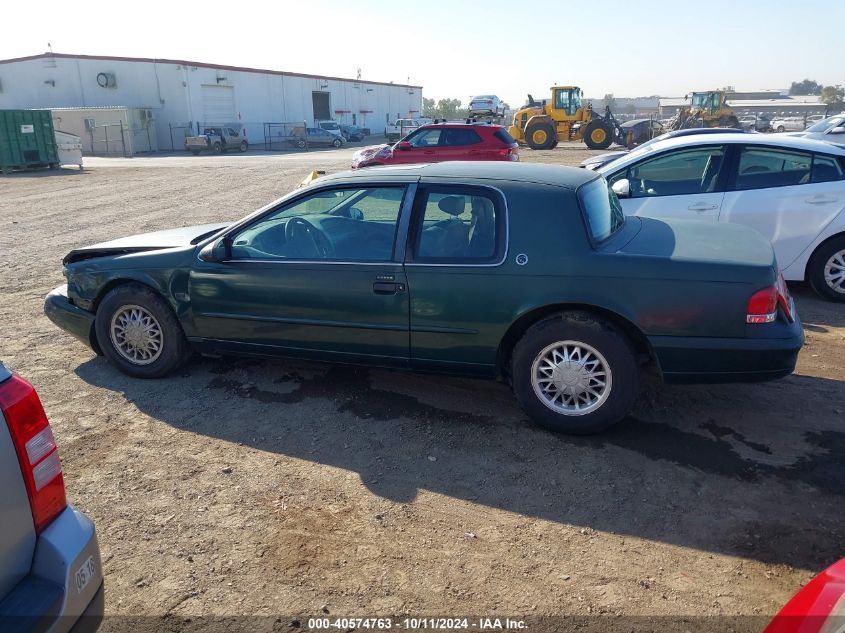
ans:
(762, 306)
(36, 450)
(784, 299)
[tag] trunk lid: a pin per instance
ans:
(722, 252)
(17, 538)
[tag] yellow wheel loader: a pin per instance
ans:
(706, 109)
(542, 125)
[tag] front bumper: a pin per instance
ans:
(715, 360)
(70, 318)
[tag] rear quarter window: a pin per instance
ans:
(502, 135)
(601, 208)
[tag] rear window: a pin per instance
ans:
(601, 208)
(502, 135)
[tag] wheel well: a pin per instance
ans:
(634, 335)
(124, 281)
(837, 236)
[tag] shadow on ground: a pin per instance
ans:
(726, 477)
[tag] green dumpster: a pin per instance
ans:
(27, 140)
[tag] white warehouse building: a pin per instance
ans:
(179, 95)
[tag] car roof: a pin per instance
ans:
(773, 140)
(470, 124)
(555, 175)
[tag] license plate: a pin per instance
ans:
(84, 574)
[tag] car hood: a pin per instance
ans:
(594, 162)
(382, 151)
(170, 238)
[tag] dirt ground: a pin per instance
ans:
(244, 487)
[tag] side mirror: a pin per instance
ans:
(216, 251)
(622, 188)
(839, 129)
(404, 145)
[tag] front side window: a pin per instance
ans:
(764, 167)
(425, 138)
(459, 225)
(337, 224)
(601, 208)
(826, 124)
(676, 173)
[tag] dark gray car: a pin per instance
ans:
(50, 571)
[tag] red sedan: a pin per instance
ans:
(818, 608)
(438, 142)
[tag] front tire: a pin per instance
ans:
(540, 136)
(138, 332)
(598, 134)
(337, 142)
(244, 146)
(575, 374)
(826, 272)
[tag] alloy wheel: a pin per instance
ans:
(834, 272)
(136, 335)
(571, 378)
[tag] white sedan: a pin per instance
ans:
(789, 124)
(790, 189)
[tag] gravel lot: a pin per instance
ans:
(292, 489)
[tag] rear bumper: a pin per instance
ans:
(712, 360)
(70, 318)
(48, 599)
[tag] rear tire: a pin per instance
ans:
(587, 393)
(138, 332)
(217, 148)
(337, 142)
(780, 129)
(540, 136)
(598, 134)
(826, 268)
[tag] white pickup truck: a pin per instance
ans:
(401, 127)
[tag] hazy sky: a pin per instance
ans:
(457, 49)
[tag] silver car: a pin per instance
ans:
(51, 576)
(831, 129)
(486, 105)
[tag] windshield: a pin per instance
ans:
(601, 208)
(826, 124)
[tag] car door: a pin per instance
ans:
(685, 183)
(424, 145)
(457, 242)
(315, 277)
(788, 196)
(460, 143)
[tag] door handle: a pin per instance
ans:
(388, 287)
(702, 206)
(820, 200)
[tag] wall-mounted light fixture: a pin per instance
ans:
(324, 85)
(51, 82)
(369, 89)
(220, 79)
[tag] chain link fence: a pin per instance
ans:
(285, 136)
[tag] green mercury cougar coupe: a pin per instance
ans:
(528, 273)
